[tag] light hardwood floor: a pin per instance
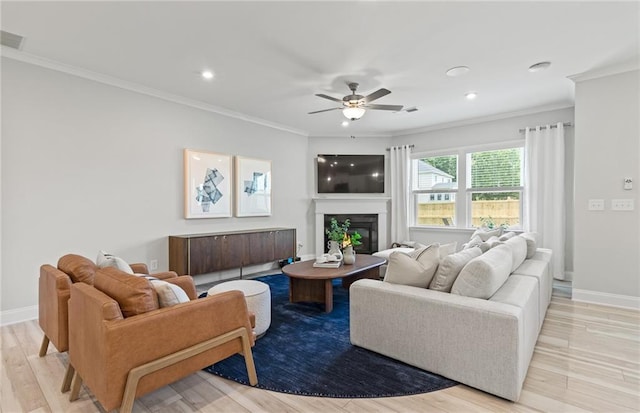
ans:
(587, 359)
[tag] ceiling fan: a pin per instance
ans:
(354, 106)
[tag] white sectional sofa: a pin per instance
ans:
(483, 343)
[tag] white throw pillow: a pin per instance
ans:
(107, 260)
(450, 267)
(415, 270)
(169, 294)
(485, 234)
(484, 275)
(447, 249)
(507, 236)
(477, 242)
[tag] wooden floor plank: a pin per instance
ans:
(587, 359)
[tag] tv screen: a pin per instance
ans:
(350, 174)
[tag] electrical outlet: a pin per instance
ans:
(622, 204)
(153, 265)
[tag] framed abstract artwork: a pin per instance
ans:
(253, 187)
(208, 181)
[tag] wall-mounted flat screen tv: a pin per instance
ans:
(350, 174)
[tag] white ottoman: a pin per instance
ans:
(258, 298)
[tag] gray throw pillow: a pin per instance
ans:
(450, 267)
(530, 237)
(483, 276)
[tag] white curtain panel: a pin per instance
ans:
(400, 162)
(544, 198)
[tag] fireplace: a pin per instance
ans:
(365, 224)
(349, 207)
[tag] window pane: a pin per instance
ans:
(438, 172)
(494, 209)
(493, 169)
(433, 212)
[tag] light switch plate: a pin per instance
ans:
(596, 205)
(622, 204)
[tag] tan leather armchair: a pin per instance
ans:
(53, 295)
(119, 359)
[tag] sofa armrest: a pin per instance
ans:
(475, 341)
(165, 275)
(53, 298)
(139, 268)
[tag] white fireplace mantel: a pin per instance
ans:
(351, 205)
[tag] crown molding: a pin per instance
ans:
(483, 119)
(138, 88)
(628, 66)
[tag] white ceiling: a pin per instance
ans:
(270, 58)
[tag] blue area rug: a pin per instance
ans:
(307, 352)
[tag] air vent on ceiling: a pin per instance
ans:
(413, 109)
(11, 39)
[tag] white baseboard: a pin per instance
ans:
(613, 300)
(18, 315)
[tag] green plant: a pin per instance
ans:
(339, 232)
(488, 222)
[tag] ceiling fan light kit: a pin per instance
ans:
(354, 106)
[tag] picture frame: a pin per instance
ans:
(253, 187)
(208, 183)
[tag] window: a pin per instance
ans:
(495, 187)
(491, 182)
(434, 185)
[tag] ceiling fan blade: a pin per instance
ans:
(320, 95)
(384, 107)
(323, 110)
(376, 95)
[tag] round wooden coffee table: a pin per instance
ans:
(308, 283)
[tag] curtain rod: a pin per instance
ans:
(566, 124)
(388, 149)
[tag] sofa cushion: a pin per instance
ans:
(530, 238)
(450, 267)
(169, 294)
(135, 295)
(484, 275)
(476, 241)
(78, 268)
(105, 260)
(416, 269)
(507, 236)
(518, 247)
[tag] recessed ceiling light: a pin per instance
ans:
(471, 95)
(458, 71)
(345, 123)
(207, 74)
(539, 66)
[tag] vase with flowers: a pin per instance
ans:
(341, 242)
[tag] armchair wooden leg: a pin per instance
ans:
(76, 383)
(137, 373)
(248, 360)
(68, 376)
(44, 346)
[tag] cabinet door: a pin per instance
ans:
(285, 244)
(258, 248)
(232, 251)
(205, 254)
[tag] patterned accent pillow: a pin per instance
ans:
(105, 260)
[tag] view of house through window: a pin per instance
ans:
(493, 190)
(435, 186)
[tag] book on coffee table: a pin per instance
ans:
(334, 264)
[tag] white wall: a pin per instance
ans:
(87, 166)
(488, 133)
(607, 246)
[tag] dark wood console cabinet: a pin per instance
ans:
(195, 254)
